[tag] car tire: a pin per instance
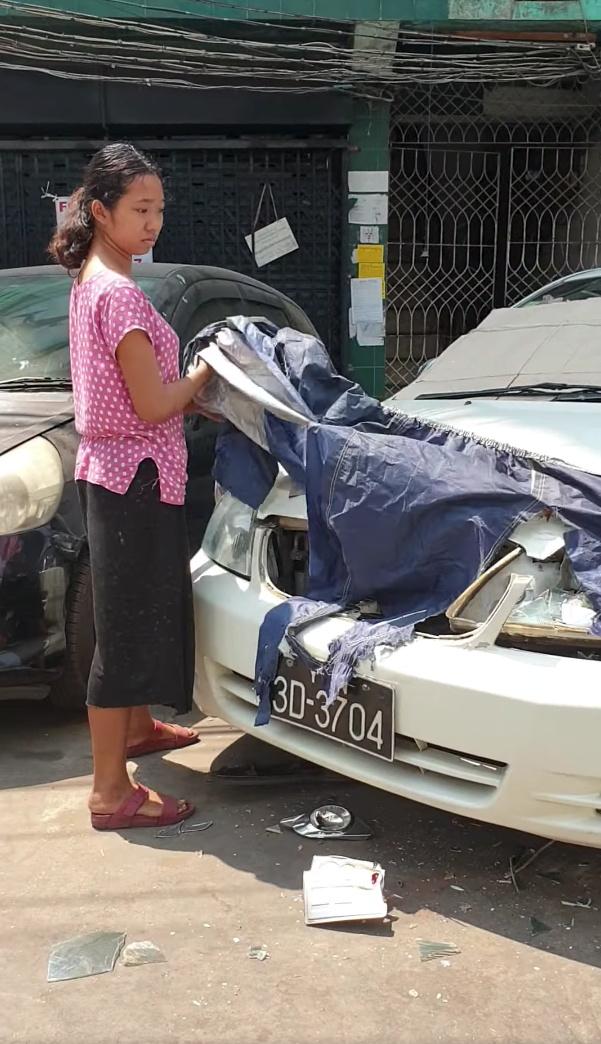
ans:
(69, 692)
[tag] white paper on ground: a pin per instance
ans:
(272, 241)
(368, 181)
(366, 300)
(238, 379)
(337, 888)
(369, 234)
(368, 209)
(370, 334)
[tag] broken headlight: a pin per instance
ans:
(228, 536)
(552, 610)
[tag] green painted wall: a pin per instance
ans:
(441, 13)
(368, 138)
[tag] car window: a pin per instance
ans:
(221, 307)
(211, 300)
(573, 290)
(34, 324)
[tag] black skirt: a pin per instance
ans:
(143, 610)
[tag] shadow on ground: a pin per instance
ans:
(454, 867)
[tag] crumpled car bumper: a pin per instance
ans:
(505, 735)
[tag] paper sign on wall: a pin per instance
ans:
(366, 301)
(373, 270)
(272, 241)
(368, 181)
(367, 334)
(370, 335)
(369, 234)
(368, 209)
(370, 254)
(60, 206)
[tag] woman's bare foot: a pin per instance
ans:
(107, 803)
(143, 729)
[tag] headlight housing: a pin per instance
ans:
(228, 536)
(31, 486)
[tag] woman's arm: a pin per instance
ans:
(154, 401)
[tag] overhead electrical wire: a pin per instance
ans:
(169, 55)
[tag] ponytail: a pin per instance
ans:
(72, 239)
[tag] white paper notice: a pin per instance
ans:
(369, 209)
(60, 205)
(369, 234)
(370, 334)
(366, 300)
(272, 241)
(143, 259)
(352, 326)
(368, 181)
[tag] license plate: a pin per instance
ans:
(361, 717)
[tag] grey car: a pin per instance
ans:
(46, 610)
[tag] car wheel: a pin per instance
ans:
(70, 691)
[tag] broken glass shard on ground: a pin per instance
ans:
(328, 821)
(258, 953)
(429, 951)
(184, 828)
(144, 952)
(538, 927)
(84, 955)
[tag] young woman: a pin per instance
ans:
(131, 473)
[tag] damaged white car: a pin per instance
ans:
(493, 709)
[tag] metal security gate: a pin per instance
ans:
(494, 191)
(212, 191)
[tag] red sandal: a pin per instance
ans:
(180, 737)
(127, 816)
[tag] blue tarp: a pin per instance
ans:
(400, 511)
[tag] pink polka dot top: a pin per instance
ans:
(114, 441)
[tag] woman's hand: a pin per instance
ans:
(155, 401)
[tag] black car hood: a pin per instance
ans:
(23, 415)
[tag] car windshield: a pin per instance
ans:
(34, 325)
(571, 290)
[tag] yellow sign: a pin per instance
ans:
(369, 253)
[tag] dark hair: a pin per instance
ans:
(106, 178)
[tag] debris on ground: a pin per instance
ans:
(551, 875)
(144, 952)
(580, 904)
(538, 927)
(519, 861)
(333, 822)
(457, 888)
(83, 955)
(430, 951)
(274, 829)
(184, 828)
(337, 889)
(258, 953)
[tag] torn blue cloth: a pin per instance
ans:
(400, 511)
(289, 619)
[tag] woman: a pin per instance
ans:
(131, 474)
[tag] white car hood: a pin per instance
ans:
(564, 431)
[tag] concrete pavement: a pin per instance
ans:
(206, 898)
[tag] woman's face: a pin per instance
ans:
(135, 222)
